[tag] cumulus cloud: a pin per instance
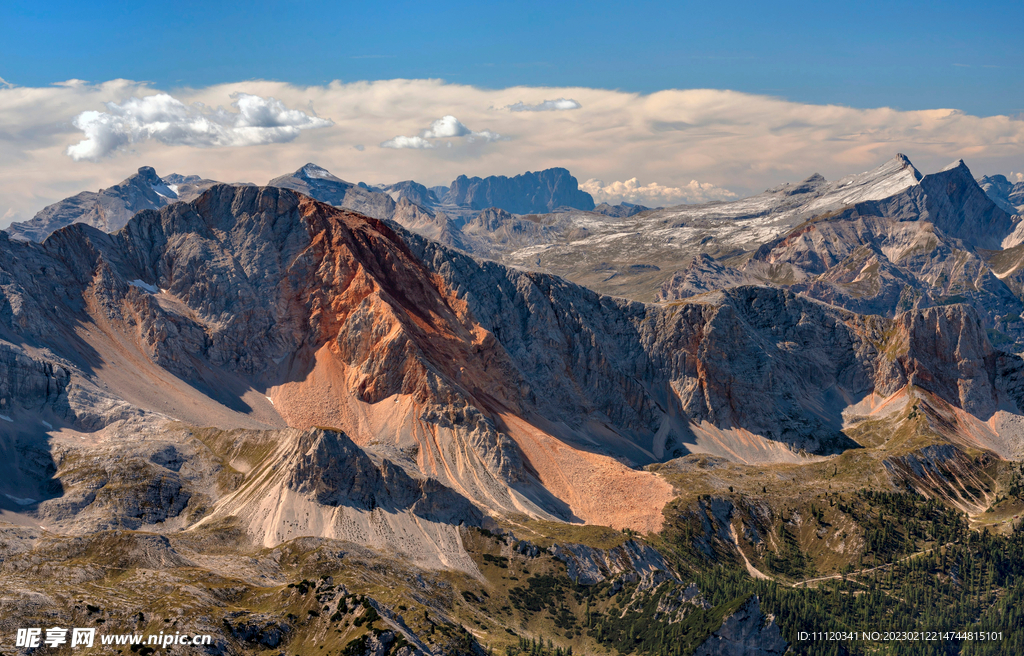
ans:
(1016, 177)
(654, 194)
(166, 119)
(562, 104)
(407, 142)
(445, 127)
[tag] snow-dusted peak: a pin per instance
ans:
(890, 178)
(955, 165)
(313, 171)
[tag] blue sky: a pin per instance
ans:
(907, 55)
(660, 102)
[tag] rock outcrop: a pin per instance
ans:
(701, 276)
(746, 632)
(588, 565)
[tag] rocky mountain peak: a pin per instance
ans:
(320, 184)
(958, 205)
(147, 174)
(810, 185)
(311, 170)
(958, 164)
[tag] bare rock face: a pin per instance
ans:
(109, 209)
(30, 382)
(331, 469)
(945, 351)
(701, 276)
(747, 632)
(527, 193)
(587, 565)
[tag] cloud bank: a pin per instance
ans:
(738, 142)
(166, 119)
(562, 104)
(654, 194)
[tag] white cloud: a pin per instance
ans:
(485, 135)
(654, 194)
(1016, 177)
(407, 142)
(166, 119)
(562, 104)
(445, 127)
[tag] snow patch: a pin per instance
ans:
(6, 418)
(47, 424)
(164, 191)
(314, 171)
(20, 502)
(145, 286)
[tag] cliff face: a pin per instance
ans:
(528, 193)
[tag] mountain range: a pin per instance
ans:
(399, 419)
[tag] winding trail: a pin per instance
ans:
(861, 571)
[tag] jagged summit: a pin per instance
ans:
(110, 209)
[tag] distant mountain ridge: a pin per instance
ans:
(443, 209)
(1009, 196)
(528, 193)
(109, 209)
